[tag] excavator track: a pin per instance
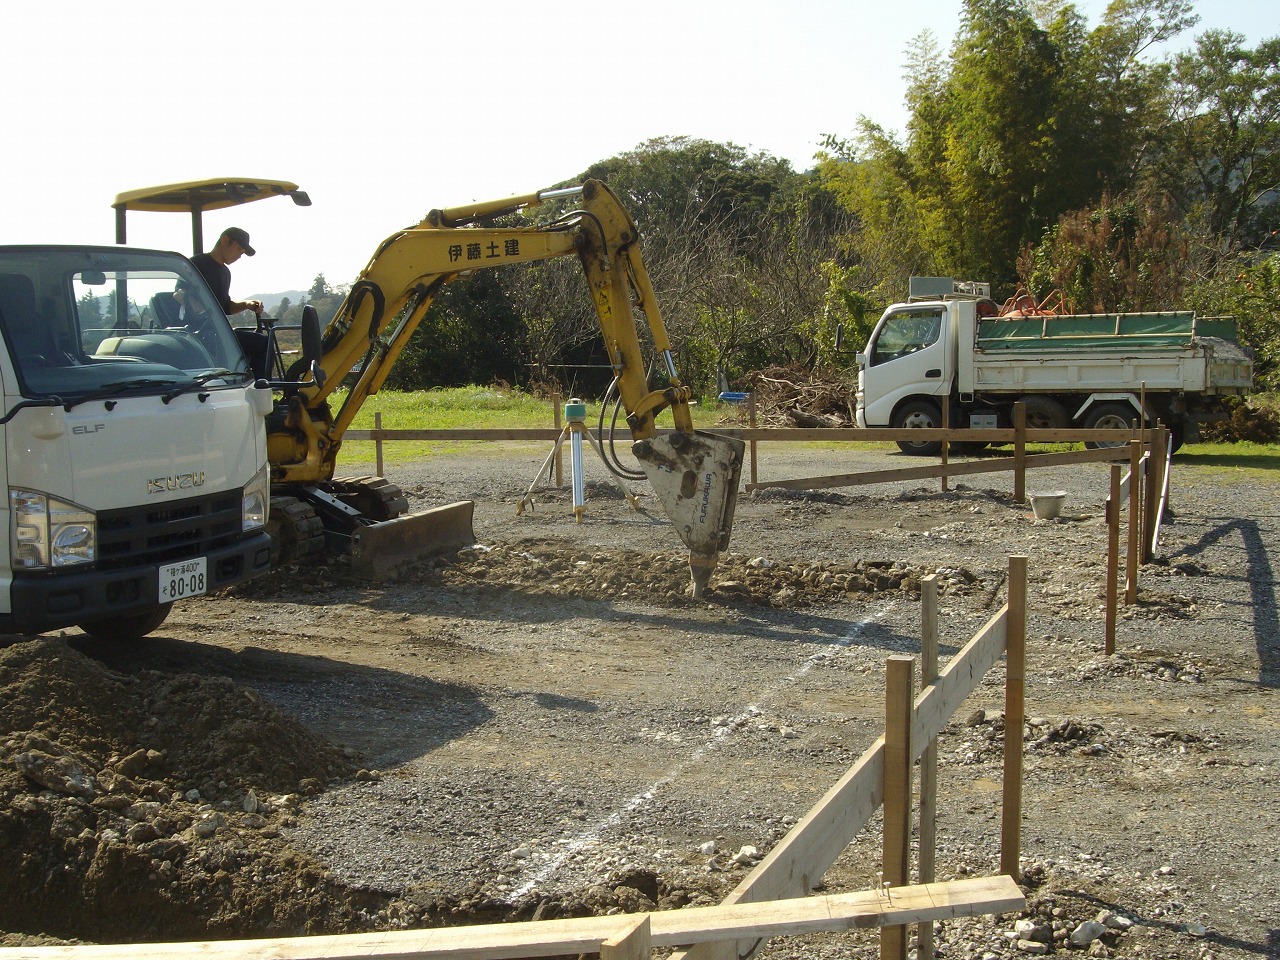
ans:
(375, 497)
(296, 532)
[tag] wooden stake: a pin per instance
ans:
(1113, 559)
(946, 444)
(632, 943)
(1020, 452)
(897, 792)
(751, 422)
(556, 407)
(1014, 707)
(1135, 521)
(929, 759)
(377, 444)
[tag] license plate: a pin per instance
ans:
(187, 579)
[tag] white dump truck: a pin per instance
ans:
(1083, 370)
(134, 450)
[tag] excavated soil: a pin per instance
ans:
(548, 724)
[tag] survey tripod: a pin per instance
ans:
(575, 428)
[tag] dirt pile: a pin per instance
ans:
(157, 798)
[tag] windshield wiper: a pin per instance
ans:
(200, 381)
(115, 389)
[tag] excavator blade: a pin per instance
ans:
(695, 478)
(379, 549)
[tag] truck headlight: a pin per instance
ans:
(256, 502)
(48, 532)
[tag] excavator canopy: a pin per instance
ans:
(197, 196)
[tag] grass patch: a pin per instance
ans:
(471, 408)
(492, 408)
(1231, 462)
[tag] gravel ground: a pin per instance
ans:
(549, 725)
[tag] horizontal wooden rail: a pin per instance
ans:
(850, 434)
(545, 938)
(952, 469)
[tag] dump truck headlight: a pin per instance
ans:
(47, 532)
(256, 502)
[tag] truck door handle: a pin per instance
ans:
(934, 374)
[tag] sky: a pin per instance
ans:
(383, 111)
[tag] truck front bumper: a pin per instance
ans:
(64, 599)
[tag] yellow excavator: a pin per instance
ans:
(693, 474)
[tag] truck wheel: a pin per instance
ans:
(1044, 413)
(919, 413)
(296, 532)
(1109, 416)
(122, 629)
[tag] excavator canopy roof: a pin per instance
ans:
(197, 196)
(207, 195)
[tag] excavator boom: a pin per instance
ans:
(694, 475)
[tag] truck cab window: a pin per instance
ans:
(906, 332)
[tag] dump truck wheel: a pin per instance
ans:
(296, 532)
(919, 413)
(377, 498)
(132, 627)
(1109, 416)
(1044, 413)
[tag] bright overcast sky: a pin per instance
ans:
(383, 111)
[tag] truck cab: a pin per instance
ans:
(134, 451)
(908, 365)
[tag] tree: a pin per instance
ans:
(1221, 154)
(1031, 116)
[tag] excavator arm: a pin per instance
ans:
(694, 474)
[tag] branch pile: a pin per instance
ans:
(795, 397)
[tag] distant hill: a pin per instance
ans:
(272, 300)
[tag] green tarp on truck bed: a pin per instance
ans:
(1101, 331)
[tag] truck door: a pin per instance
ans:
(906, 356)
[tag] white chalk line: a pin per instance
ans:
(593, 833)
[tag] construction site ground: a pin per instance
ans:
(548, 725)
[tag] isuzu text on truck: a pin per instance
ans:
(134, 451)
(1091, 371)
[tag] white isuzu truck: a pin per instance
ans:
(1085, 370)
(134, 453)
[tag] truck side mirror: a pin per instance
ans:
(839, 336)
(312, 345)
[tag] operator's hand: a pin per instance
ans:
(255, 306)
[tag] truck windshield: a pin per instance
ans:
(80, 320)
(905, 332)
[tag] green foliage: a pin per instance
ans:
(1125, 254)
(1221, 153)
(1251, 293)
(471, 334)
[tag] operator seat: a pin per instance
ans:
(166, 310)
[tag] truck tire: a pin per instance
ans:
(296, 532)
(1108, 416)
(123, 629)
(1044, 413)
(919, 413)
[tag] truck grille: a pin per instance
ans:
(165, 533)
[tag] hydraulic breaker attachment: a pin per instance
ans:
(377, 549)
(695, 478)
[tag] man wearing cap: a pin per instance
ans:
(214, 266)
